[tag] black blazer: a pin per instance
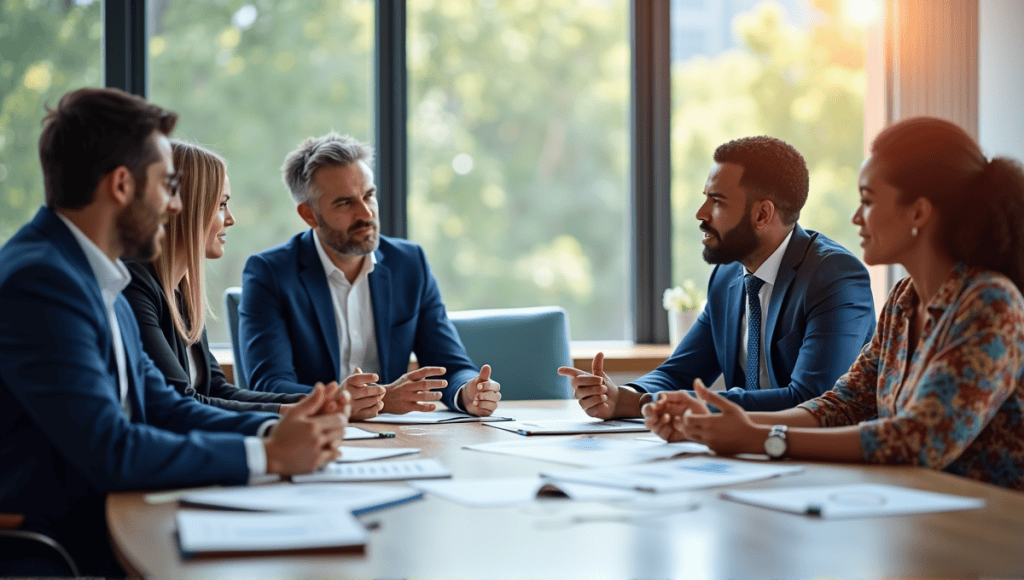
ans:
(168, 351)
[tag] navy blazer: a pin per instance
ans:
(64, 439)
(288, 333)
(820, 316)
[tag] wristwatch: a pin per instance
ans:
(775, 444)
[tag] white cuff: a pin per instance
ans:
(255, 456)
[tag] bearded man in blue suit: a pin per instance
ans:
(339, 299)
(83, 410)
(788, 309)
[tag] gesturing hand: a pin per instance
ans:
(597, 394)
(728, 432)
(664, 416)
(480, 395)
(414, 392)
(367, 397)
(303, 440)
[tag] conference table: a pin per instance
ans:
(558, 538)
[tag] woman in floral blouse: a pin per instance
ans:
(941, 384)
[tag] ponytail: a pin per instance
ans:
(991, 230)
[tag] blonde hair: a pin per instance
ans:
(202, 184)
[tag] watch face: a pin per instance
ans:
(775, 446)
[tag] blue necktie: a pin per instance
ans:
(753, 284)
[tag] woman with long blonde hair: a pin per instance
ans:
(168, 295)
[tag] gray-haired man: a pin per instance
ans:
(340, 298)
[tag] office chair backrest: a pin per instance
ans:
(524, 346)
(232, 298)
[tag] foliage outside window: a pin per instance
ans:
(519, 155)
(251, 80)
(801, 83)
(46, 49)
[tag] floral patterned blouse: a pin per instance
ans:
(956, 402)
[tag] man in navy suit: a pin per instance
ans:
(788, 310)
(83, 410)
(340, 298)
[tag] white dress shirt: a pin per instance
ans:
(767, 272)
(113, 277)
(353, 315)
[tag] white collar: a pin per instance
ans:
(330, 268)
(112, 275)
(769, 269)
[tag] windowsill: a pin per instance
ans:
(619, 356)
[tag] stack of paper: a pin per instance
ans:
(590, 451)
(853, 501)
(560, 427)
(499, 492)
(678, 475)
(382, 471)
(232, 533)
(356, 454)
(433, 418)
(286, 497)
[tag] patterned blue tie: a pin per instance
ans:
(753, 284)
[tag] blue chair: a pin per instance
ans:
(232, 298)
(25, 553)
(524, 346)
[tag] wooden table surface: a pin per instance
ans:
(436, 538)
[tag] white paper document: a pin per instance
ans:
(238, 532)
(432, 418)
(560, 427)
(377, 471)
(356, 454)
(355, 433)
(590, 451)
(508, 491)
(314, 497)
(677, 475)
(853, 501)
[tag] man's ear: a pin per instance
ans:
(764, 212)
(118, 186)
(307, 214)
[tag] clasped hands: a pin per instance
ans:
(416, 391)
(310, 432)
(673, 416)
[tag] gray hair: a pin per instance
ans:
(331, 150)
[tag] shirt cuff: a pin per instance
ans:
(458, 400)
(255, 456)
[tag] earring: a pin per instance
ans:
(913, 232)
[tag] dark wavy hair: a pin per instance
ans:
(772, 169)
(980, 202)
(92, 132)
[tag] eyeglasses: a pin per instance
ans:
(173, 183)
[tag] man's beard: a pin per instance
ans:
(735, 245)
(342, 243)
(137, 227)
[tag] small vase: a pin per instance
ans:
(679, 324)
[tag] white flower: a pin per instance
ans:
(685, 298)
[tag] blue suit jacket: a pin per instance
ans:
(64, 439)
(819, 318)
(288, 333)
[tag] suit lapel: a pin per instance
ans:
(733, 317)
(380, 297)
(315, 281)
(791, 260)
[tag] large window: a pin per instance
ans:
(519, 155)
(46, 49)
(251, 80)
(789, 70)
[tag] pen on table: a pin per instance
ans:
(813, 509)
(386, 434)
